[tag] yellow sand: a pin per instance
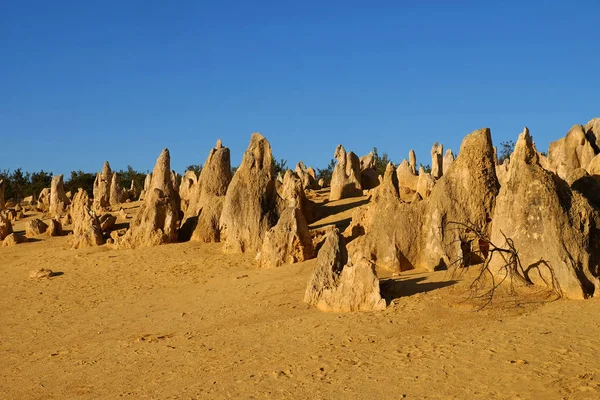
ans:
(186, 321)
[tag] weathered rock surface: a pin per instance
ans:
(437, 160)
(102, 188)
(369, 178)
(147, 185)
(345, 181)
(188, 182)
(288, 242)
(337, 284)
(58, 199)
(406, 178)
(175, 180)
(10, 213)
(43, 202)
(35, 227)
(41, 274)
(448, 160)
(387, 231)
(207, 197)
(571, 152)
(550, 225)
(307, 176)
(250, 204)
(425, 184)
(54, 228)
(118, 195)
(466, 194)
(107, 222)
(132, 193)
(157, 220)
(412, 160)
(86, 226)
(592, 132)
(67, 219)
(502, 171)
(13, 239)
(593, 167)
(544, 161)
(588, 186)
(292, 194)
(5, 227)
(389, 187)
(400, 236)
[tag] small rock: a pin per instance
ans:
(41, 273)
(13, 239)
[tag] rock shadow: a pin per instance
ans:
(341, 224)
(394, 288)
(332, 210)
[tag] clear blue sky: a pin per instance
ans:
(85, 81)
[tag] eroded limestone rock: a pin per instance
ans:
(250, 204)
(551, 226)
(337, 284)
(157, 219)
(345, 181)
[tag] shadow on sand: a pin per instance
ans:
(341, 224)
(328, 210)
(394, 288)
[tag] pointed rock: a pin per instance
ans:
(400, 236)
(412, 160)
(208, 196)
(550, 226)
(147, 186)
(466, 194)
(86, 227)
(307, 176)
(249, 210)
(101, 190)
(448, 160)
(117, 194)
(157, 220)
(58, 199)
(437, 160)
(389, 186)
(345, 181)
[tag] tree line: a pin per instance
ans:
(21, 184)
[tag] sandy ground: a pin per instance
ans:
(185, 321)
